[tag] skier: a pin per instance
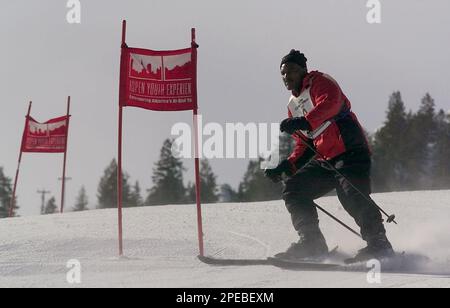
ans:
(319, 114)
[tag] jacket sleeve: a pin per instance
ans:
(328, 101)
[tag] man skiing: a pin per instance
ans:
(320, 116)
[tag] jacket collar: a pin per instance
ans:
(307, 81)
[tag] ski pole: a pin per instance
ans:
(390, 218)
(337, 220)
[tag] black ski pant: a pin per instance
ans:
(316, 179)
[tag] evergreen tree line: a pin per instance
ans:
(168, 184)
(411, 151)
(6, 195)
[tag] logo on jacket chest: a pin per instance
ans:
(300, 106)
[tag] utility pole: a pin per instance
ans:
(43, 192)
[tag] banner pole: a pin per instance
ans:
(63, 188)
(196, 158)
(119, 154)
(119, 183)
(197, 187)
(13, 197)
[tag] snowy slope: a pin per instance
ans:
(161, 245)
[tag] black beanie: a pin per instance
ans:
(294, 56)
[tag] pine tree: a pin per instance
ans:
(422, 144)
(82, 201)
(256, 187)
(209, 191)
(191, 193)
(6, 195)
(390, 148)
(107, 188)
(50, 207)
(136, 198)
(168, 187)
(228, 194)
(441, 159)
(208, 185)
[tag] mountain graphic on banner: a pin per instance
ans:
(178, 67)
(42, 130)
(179, 72)
(147, 67)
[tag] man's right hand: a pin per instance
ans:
(290, 125)
(276, 174)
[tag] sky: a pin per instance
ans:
(44, 59)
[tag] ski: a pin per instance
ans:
(399, 264)
(287, 264)
(232, 262)
(267, 261)
(302, 264)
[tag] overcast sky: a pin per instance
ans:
(44, 58)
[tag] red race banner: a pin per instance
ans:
(158, 80)
(48, 137)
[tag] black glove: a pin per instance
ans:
(276, 174)
(290, 125)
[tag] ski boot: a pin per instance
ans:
(378, 247)
(310, 247)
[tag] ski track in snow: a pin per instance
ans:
(160, 245)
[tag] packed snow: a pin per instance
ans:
(161, 247)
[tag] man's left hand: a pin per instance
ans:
(290, 125)
(276, 174)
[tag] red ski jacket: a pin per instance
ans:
(321, 100)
